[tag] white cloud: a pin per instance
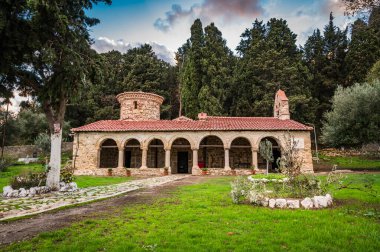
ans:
(221, 11)
(15, 102)
(104, 44)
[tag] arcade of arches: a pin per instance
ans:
(145, 154)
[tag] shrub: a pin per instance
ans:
(67, 173)
(28, 180)
(240, 189)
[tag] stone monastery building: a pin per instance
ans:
(141, 141)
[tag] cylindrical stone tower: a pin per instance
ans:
(139, 106)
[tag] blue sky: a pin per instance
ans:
(165, 24)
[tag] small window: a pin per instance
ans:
(135, 104)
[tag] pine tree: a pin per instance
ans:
(325, 58)
(363, 51)
(217, 67)
(192, 72)
(271, 60)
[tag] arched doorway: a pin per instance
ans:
(156, 154)
(240, 153)
(109, 154)
(181, 156)
(276, 150)
(132, 154)
(211, 152)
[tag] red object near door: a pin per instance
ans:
(201, 164)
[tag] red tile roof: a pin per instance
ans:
(211, 123)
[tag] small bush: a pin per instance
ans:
(28, 180)
(67, 173)
(240, 189)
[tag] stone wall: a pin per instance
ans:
(22, 151)
(87, 153)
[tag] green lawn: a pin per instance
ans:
(87, 181)
(352, 163)
(82, 181)
(202, 217)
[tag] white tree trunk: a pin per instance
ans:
(267, 167)
(55, 161)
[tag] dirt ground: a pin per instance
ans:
(23, 229)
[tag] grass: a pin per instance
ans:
(15, 170)
(201, 217)
(87, 181)
(82, 181)
(352, 163)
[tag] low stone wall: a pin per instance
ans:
(22, 151)
(122, 172)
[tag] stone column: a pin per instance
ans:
(227, 159)
(254, 159)
(167, 158)
(195, 169)
(120, 163)
(144, 158)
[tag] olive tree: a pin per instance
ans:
(355, 116)
(266, 151)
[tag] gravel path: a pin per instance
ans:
(19, 207)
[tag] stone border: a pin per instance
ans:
(316, 202)
(264, 180)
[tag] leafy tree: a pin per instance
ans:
(355, 116)
(356, 6)
(374, 73)
(266, 152)
(42, 141)
(58, 61)
(137, 70)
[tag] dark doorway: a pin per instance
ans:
(183, 159)
(128, 159)
(276, 156)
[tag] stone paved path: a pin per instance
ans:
(18, 207)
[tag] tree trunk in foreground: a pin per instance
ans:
(267, 167)
(53, 176)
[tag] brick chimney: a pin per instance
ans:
(281, 106)
(202, 116)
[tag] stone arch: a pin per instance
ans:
(128, 138)
(240, 153)
(261, 137)
(147, 141)
(108, 154)
(104, 138)
(156, 153)
(132, 153)
(211, 152)
(188, 138)
(273, 167)
(181, 155)
(212, 135)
